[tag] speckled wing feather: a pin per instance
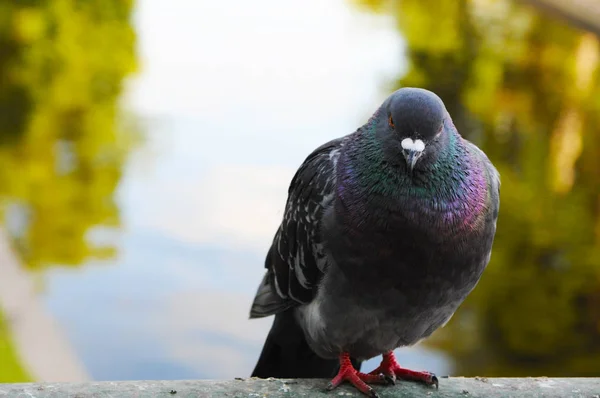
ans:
(296, 261)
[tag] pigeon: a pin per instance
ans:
(385, 233)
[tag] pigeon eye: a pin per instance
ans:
(391, 121)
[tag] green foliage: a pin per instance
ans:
(11, 370)
(62, 146)
(526, 89)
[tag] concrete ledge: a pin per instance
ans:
(274, 388)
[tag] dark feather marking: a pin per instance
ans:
(295, 259)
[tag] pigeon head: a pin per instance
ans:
(414, 122)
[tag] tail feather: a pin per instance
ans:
(267, 302)
(286, 353)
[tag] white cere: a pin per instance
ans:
(410, 145)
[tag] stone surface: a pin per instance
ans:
(449, 388)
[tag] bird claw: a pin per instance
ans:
(356, 378)
(391, 379)
(372, 378)
(425, 377)
(393, 371)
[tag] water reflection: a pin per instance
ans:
(62, 146)
(526, 88)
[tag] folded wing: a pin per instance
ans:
(296, 260)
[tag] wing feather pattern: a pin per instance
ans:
(296, 261)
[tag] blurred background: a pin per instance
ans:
(146, 149)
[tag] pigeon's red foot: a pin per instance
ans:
(356, 378)
(390, 368)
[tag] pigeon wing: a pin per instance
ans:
(296, 260)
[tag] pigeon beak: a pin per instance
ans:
(412, 151)
(411, 156)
